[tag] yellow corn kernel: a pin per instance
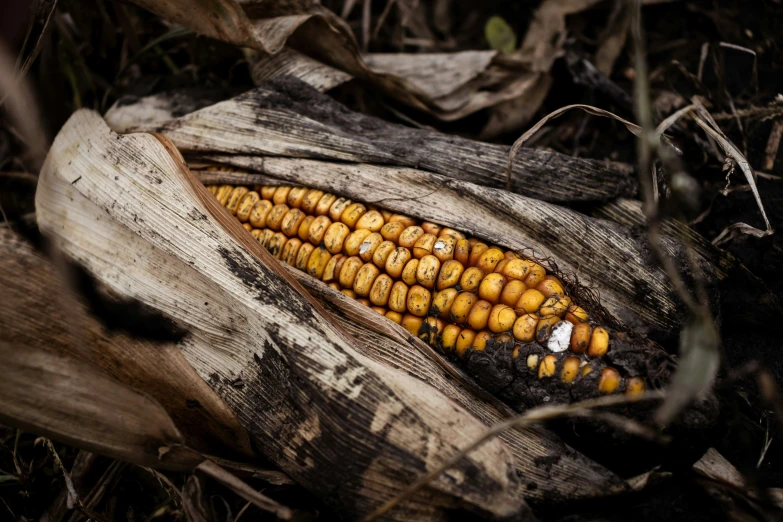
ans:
(586, 369)
(580, 337)
(255, 233)
(223, 193)
(500, 266)
(398, 297)
(349, 271)
(265, 236)
(275, 218)
(471, 279)
(450, 274)
(412, 323)
(525, 328)
(381, 310)
(419, 299)
(394, 316)
(609, 380)
(599, 342)
(551, 286)
(489, 259)
(545, 327)
(501, 318)
(403, 220)
(423, 246)
(476, 252)
(291, 222)
(570, 369)
(234, 198)
(259, 213)
(335, 286)
(449, 336)
(268, 193)
(304, 228)
(554, 305)
(381, 289)
(331, 272)
(392, 231)
(348, 292)
(491, 287)
(318, 228)
(465, 340)
(396, 261)
(532, 361)
(512, 292)
(372, 220)
(635, 387)
(431, 228)
(368, 246)
(409, 272)
(410, 235)
(443, 248)
(365, 278)
(434, 329)
(461, 307)
(382, 253)
(296, 196)
(352, 214)
(354, 241)
(427, 271)
(310, 201)
(478, 317)
(317, 262)
(335, 236)
(442, 301)
(576, 315)
(364, 301)
(517, 269)
(481, 340)
(324, 204)
(303, 256)
(246, 205)
(290, 250)
(530, 300)
(548, 366)
(281, 195)
(462, 251)
(536, 275)
(338, 207)
(213, 189)
(247, 226)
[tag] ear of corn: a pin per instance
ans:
(455, 292)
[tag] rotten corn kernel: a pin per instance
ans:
(451, 290)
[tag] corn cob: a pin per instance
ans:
(453, 291)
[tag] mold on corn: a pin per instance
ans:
(455, 292)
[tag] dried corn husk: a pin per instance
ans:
(340, 424)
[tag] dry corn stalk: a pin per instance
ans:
(351, 430)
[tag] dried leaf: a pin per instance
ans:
(500, 35)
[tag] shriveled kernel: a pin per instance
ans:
(352, 213)
(431, 228)
(461, 307)
(392, 231)
(635, 386)
(586, 369)
(398, 297)
(303, 256)
(318, 229)
(489, 259)
(427, 271)
(450, 232)
(354, 241)
(450, 274)
(532, 361)
(338, 207)
(317, 262)
(381, 290)
(554, 305)
(406, 221)
(265, 236)
(471, 279)
(339, 266)
(525, 328)
(545, 327)
(296, 196)
(570, 369)
(442, 301)
(410, 235)
(291, 222)
(259, 213)
(419, 299)
(432, 328)
(365, 278)
(335, 237)
(449, 336)
(478, 317)
(290, 250)
(530, 300)
(304, 228)
(481, 340)
(609, 380)
(409, 272)
(465, 340)
(372, 220)
(599, 342)
(348, 292)
(331, 272)
(396, 261)
(310, 201)
(517, 269)
(476, 252)
(501, 318)
(348, 273)
(443, 248)
(550, 287)
(491, 287)
(580, 337)
(324, 204)
(394, 316)
(382, 253)
(234, 198)
(281, 195)
(412, 323)
(268, 193)
(223, 193)
(423, 246)
(548, 366)
(512, 292)
(368, 246)
(536, 275)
